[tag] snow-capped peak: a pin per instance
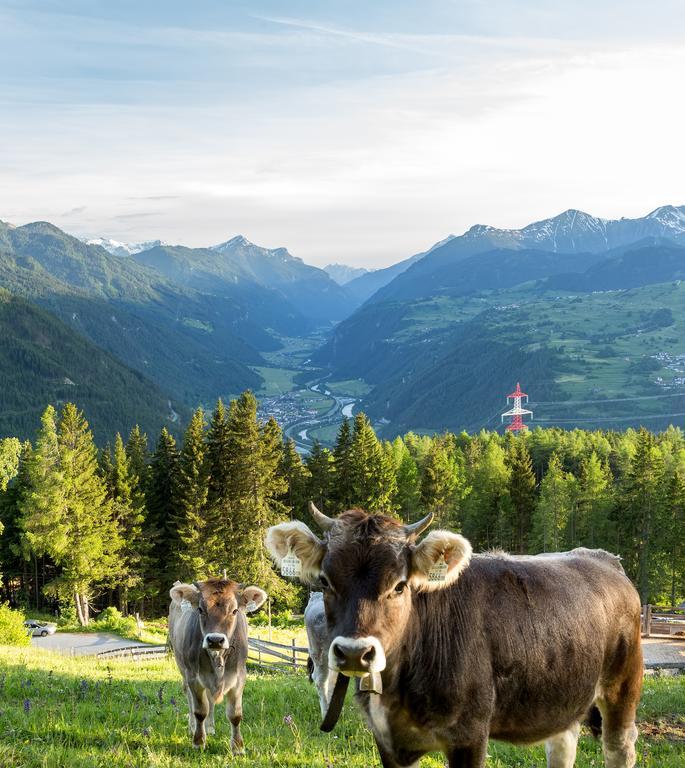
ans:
(118, 248)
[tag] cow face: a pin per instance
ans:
(217, 602)
(369, 567)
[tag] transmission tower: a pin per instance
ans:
(517, 412)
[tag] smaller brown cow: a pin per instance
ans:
(208, 634)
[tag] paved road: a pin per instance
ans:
(663, 651)
(82, 644)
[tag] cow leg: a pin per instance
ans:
(561, 749)
(234, 713)
(469, 757)
(199, 709)
(619, 733)
(617, 703)
(209, 724)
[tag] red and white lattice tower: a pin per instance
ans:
(517, 412)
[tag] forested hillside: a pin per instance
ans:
(43, 360)
(192, 346)
(582, 324)
(120, 525)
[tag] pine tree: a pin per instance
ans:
(10, 449)
(296, 476)
(675, 534)
(138, 458)
(319, 464)
(522, 495)
(640, 513)
(255, 455)
(373, 479)
(66, 513)
(342, 494)
(128, 505)
(554, 509)
(594, 527)
(12, 558)
(488, 501)
(408, 495)
(160, 529)
(194, 536)
(443, 484)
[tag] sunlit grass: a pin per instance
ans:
(84, 713)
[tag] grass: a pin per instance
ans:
(80, 713)
(277, 381)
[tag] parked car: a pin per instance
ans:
(40, 628)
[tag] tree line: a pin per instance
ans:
(83, 528)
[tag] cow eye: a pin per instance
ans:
(200, 610)
(325, 584)
(235, 610)
(400, 587)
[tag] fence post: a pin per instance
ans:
(648, 620)
(294, 656)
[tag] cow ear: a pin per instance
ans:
(296, 538)
(251, 598)
(180, 592)
(438, 560)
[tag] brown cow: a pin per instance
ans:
(467, 648)
(208, 633)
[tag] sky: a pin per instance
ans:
(350, 132)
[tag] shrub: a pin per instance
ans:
(12, 629)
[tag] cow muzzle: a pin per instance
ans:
(215, 641)
(356, 656)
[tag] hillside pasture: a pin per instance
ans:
(82, 713)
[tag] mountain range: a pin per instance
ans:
(438, 336)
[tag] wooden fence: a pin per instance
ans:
(265, 654)
(662, 624)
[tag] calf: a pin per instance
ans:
(318, 642)
(208, 633)
(459, 648)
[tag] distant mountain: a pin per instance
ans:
(184, 341)
(439, 342)
(342, 273)
(365, 286)
(45, 361)
(123, 249)
(310, 290)
(257, 307)
(569, 233)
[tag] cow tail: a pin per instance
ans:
(594, 721)
(310, 669)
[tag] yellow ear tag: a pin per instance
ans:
(291, 565)
(438, 573)
(251, 606)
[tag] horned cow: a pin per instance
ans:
(208, 634)
(464, 648)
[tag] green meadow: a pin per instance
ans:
(79, 712)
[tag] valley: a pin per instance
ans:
(301, 396)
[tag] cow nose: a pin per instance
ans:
(215, 640)
(353, 656)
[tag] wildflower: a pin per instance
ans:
(288, 720)
(27, 705)
(146, 733)
(160, 694)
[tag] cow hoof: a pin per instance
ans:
(237, 748)
(200, 745)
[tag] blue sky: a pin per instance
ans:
(347, 131)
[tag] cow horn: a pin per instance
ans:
(324, 522)
(417, 528)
